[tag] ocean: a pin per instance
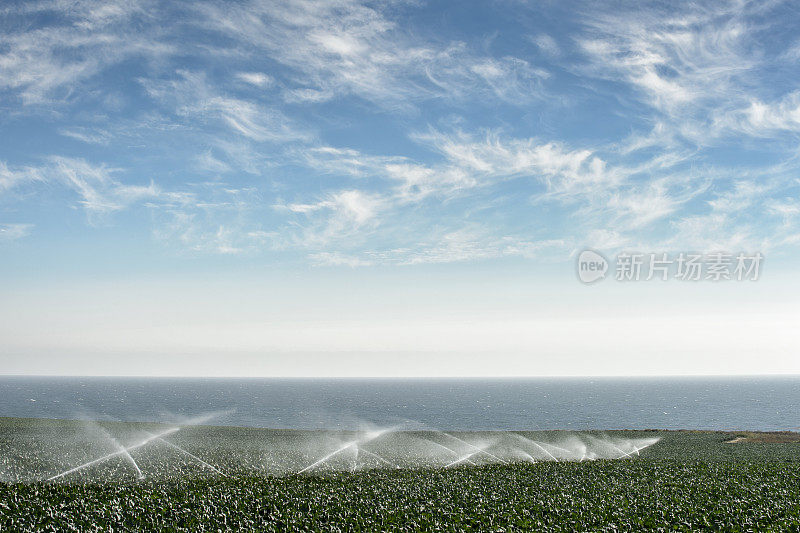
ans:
(756, 403)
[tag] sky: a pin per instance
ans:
(392, 188)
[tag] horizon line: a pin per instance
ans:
(404, 377)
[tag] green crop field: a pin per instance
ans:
(685, 481)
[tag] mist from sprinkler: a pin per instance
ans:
(395, 448)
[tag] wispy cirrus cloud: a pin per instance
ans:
(195, 232)
(763, 119)
(11, 177)
(700, 70)
(560, 168)
(336, 49)
(45, 64)
(13, 232)
(257, 79)
(673, 58)
(88, 136)
(206, 217)
(740, 211)
(468, 244)
(98, 190)
(340, 215)
(191, 97)
(578, 182)
(579, 179)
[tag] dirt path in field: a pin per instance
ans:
(770, 437)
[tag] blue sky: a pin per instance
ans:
(317, 147)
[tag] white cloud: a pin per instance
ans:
(99, 191)
(467, 244)
(733, 221)
(194, 236)
(212, 218)
(13, 232)
(639, 205)
(475, 244)
(410, 181)
(338, 259)
(786, 208)
(339, 215)
(760, 119)
(94, 136)
(457, 246)
(714, 231)
(314, 96)
(191, 96)
(259, 79)
(14, 177)
(208, 163)
(346, 161)
(562, 170)
(739, 198)
(703, 73)
(546, 44)
(605, 239)
(672, 59)
(417, 182)
(47, 63)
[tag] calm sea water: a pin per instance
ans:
(756, 403)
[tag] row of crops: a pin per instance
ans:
(607, 495)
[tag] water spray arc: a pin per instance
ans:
(123, 451)
(476, 448)
(378, 457)
(461, 460)
(370, 436)
(534, 443)
(207, 465)
(130, 459)
(453, 452)
(333, 453)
